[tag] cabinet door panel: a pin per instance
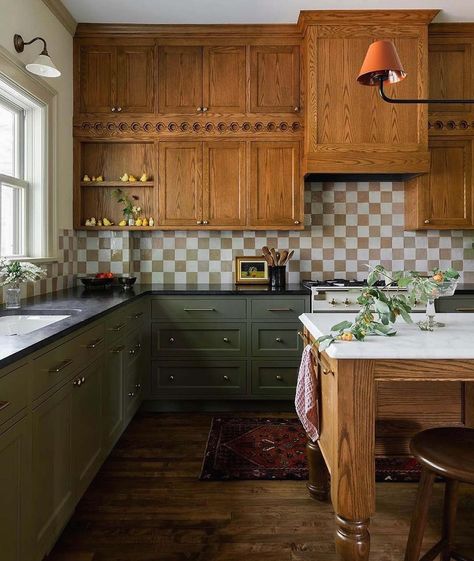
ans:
(112, 394)
(448, 193)
(276, 189)
(224, 183)
(224, 79)
(275, 79)
(52, 476)
(180, 70)
(180, 183)
(86, 421)
(97, 79)
(15, 465)
(135, 79)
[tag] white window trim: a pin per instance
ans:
(13, 71)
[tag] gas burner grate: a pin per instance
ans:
(338, 283)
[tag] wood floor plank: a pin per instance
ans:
(147, 504)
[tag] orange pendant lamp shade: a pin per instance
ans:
(381, 62)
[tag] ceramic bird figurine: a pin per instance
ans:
(124, 177)
(107, 222)
(144, 177)
(145, 221)
(132, 178)
(151, 222)
(122, 223)
(86, 178)
(99, 179)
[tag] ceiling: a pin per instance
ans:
(244, 11)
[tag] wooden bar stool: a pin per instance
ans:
(448, 452)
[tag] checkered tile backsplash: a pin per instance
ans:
(347, 226)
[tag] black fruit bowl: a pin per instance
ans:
(93, 282)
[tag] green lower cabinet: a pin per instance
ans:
(201, 339)
(113, 394)
(275, 339)
(15, 465)
(53, 496)
(133, 394)
(206, 378)
(86, 422)
(274, 378)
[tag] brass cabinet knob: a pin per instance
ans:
(205, 109)
(114, 109)
(279, 340)
(279, 378)
(171, 340)
(198, 109)
(226, 378)
(138, 386)
(77, 382)
(83, 380)
(226, 340)
(427, 221)
(119, 109)
(131, 394)
(205, 222)
(296, 109)
(171, 378)
(297, 222)
(198, 221)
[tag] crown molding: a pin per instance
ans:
(62, 14)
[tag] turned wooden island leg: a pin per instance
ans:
(318, 478)
(353, 472)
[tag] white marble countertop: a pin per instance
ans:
(454, 341)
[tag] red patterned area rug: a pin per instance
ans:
(250, 448)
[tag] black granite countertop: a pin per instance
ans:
(85, 306)
(465, 289)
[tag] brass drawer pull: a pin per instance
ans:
(118, 327)
(61, 366)
(171, 340)
(4, 405)
(117, 350)
(279, 309)
(94, 344)
(226, 378)
(279, 340)
(326, 371)
(199, 309)
(171, 378)
(464, 309)
(226, 340)
(279, 378)
(138, 315)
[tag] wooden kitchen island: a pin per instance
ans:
(354, 377)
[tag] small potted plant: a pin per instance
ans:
(130, 211)
(12, 274)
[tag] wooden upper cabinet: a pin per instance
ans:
(180, 183)
(97, 84)
(116, 79)
(275, 79)
(451, 66)
(444, 198)
(224, 185)
(224, 79)
(180, 79)
(276, 188)
(135, 79)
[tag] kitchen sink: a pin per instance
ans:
(21, 324)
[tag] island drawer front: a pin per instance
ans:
(205, 338)
(457, 303)
(202, 379)
(13, 393)
(123, 320)
(276, 378)
(190, 309)
(276, 308)
(274, 339)
(56, 365)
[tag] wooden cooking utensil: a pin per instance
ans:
(267, 255)
(283, 256)
(274, 255)
(290, 255)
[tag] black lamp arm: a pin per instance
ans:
(20, 44)
(406, 101)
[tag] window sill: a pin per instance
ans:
(35, 260)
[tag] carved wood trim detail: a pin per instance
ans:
(115, 128)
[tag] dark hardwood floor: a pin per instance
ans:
(147, 504)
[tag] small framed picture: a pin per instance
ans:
(251, 270)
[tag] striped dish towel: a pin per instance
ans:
(306, 398)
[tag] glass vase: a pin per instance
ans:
(446, 288)
(12, 297)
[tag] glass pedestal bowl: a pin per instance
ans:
(445, 288)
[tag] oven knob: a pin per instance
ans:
(333, 302)
(347, 302)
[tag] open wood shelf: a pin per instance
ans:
(124, 184)
(116, 228)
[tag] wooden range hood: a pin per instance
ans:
(351, 134)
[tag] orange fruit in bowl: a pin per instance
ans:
(438, 277)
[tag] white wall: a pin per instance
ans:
(31, 18)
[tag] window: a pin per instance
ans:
(13, 186)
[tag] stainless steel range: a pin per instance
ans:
(340, 295)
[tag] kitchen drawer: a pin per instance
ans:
(276, 308)
(123, 320)
(57, 364)
(192, 308)
(276, 339)
(205, 338)
(456, 303)
(13, 392)
(276, 378)
(133, 391)
(203, 379)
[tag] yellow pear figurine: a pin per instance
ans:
(138, 222)
(122, 223)
(124, 177)
(107, 222)
(86, 178)
(145, 222)
(99, 179)
(132, 178)
(144, 177)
